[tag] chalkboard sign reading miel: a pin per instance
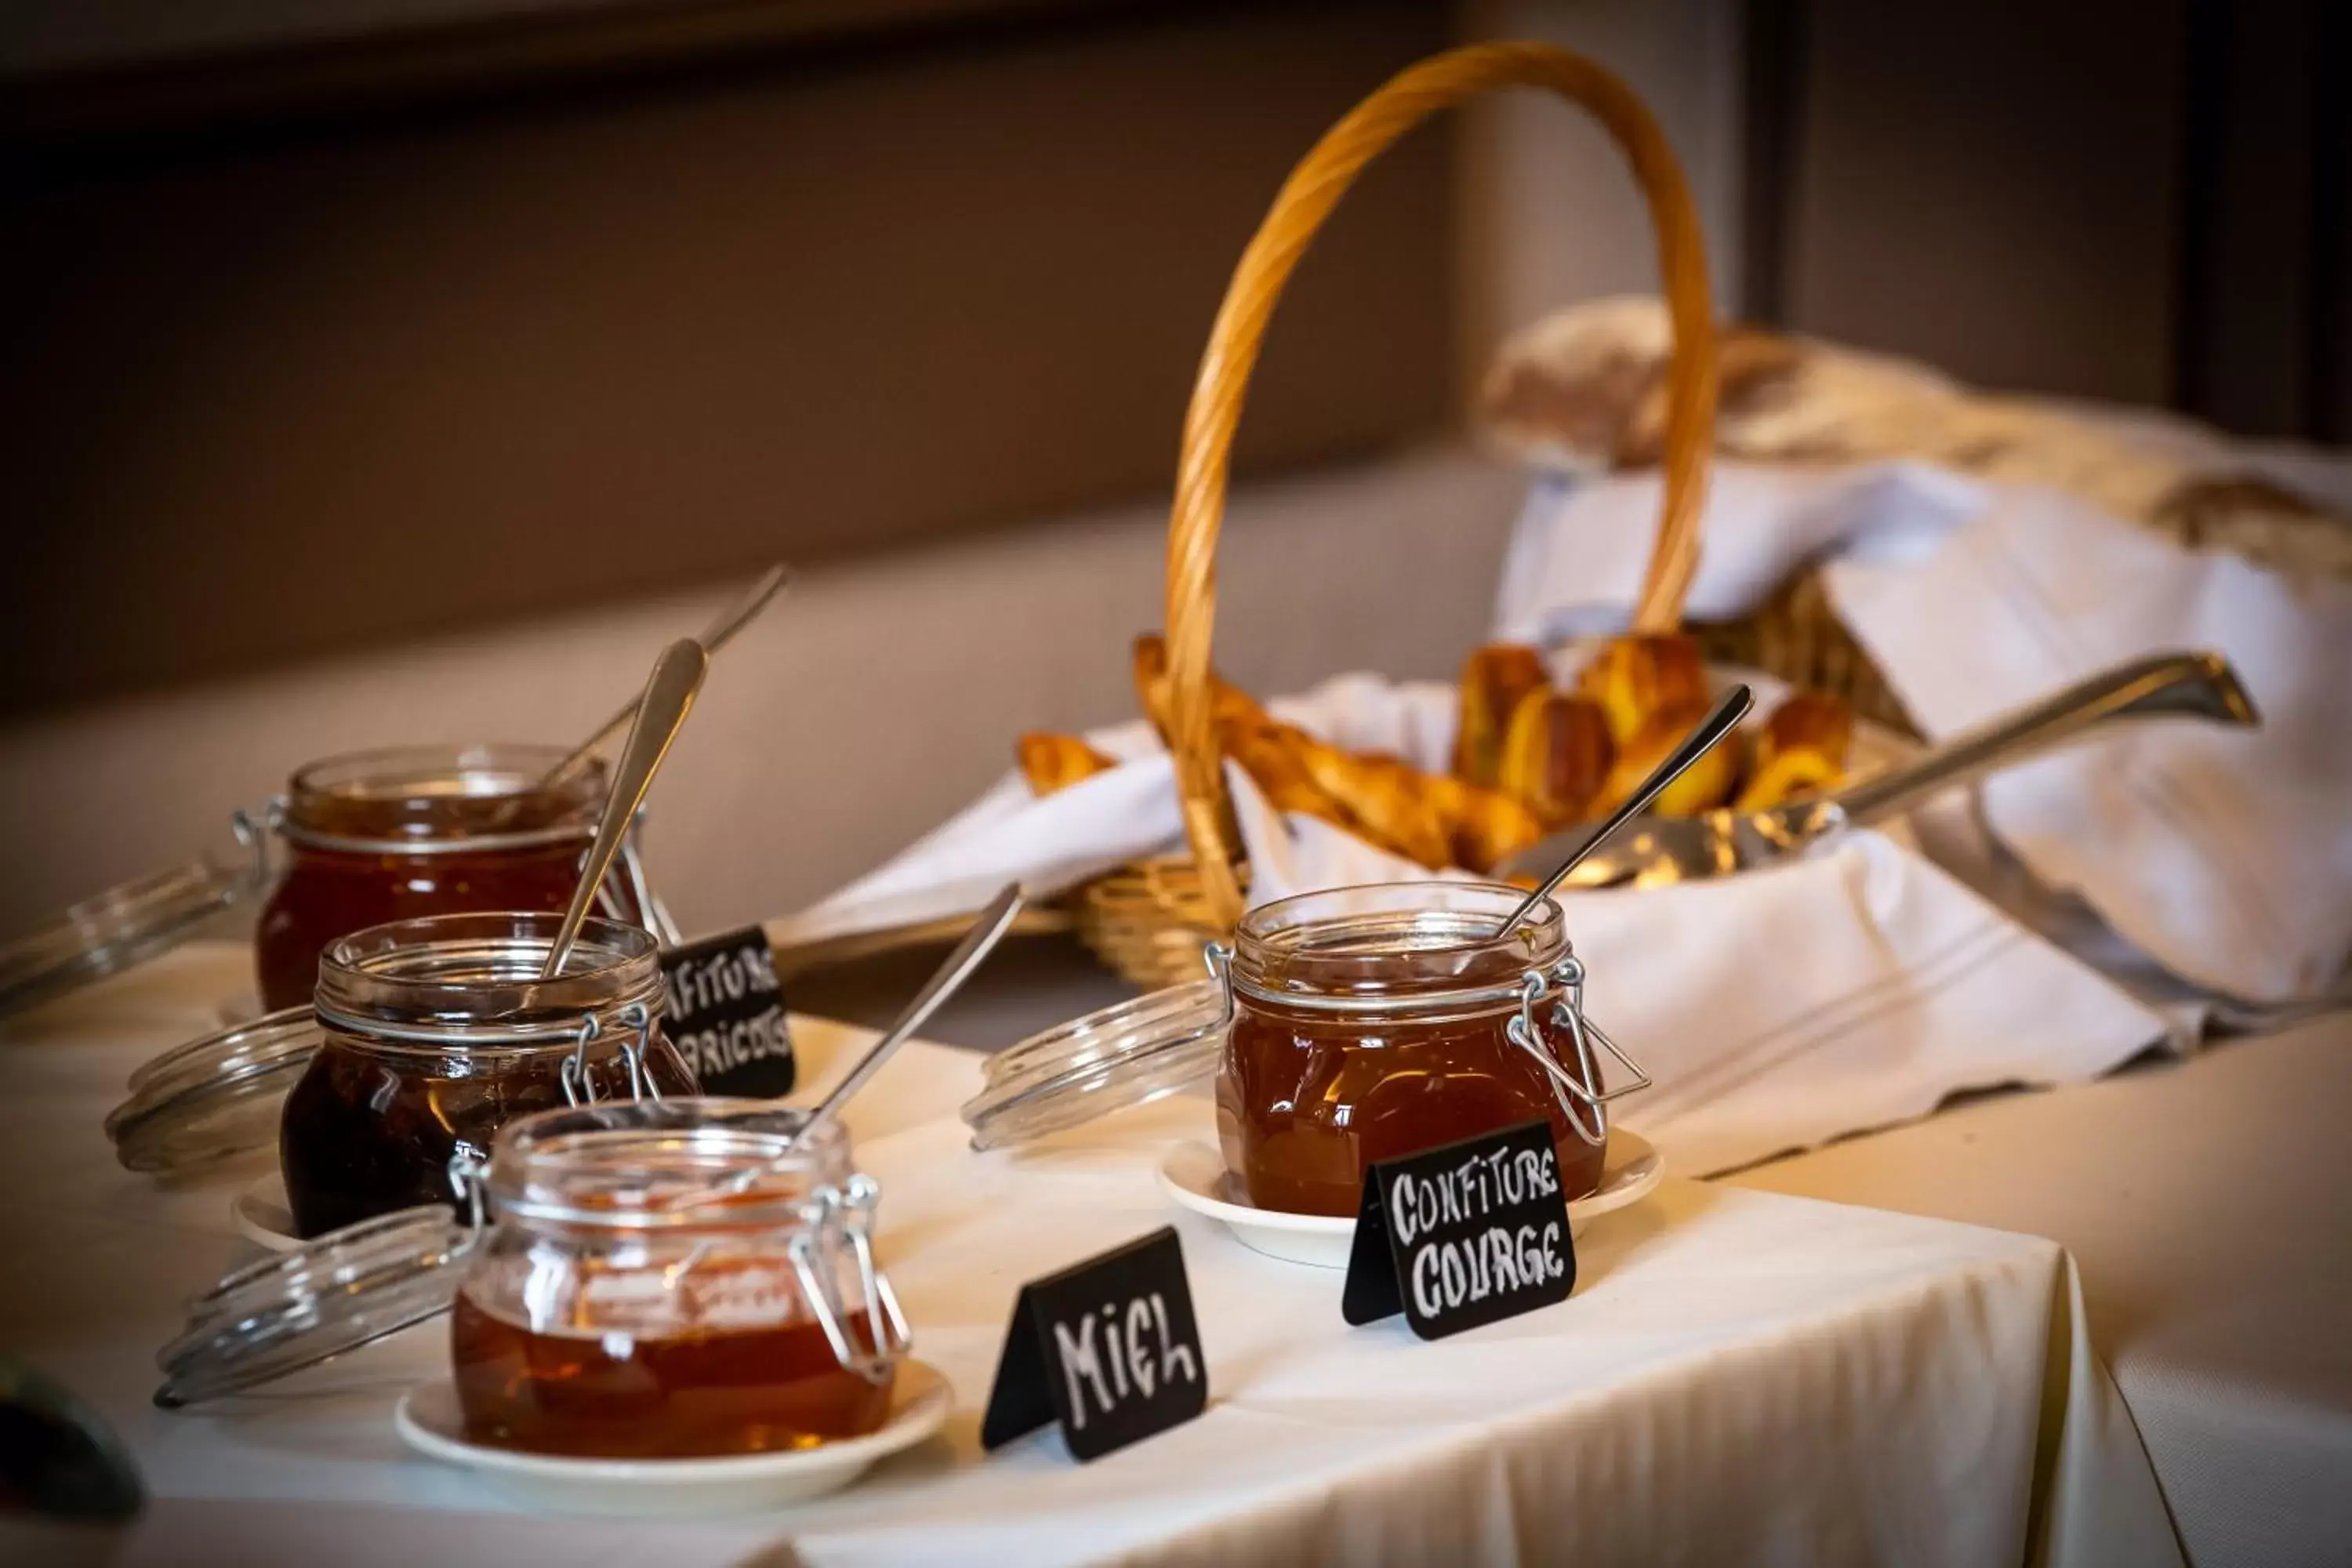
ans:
(1109, 1348)
(1463, 1234)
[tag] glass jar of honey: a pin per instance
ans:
(615, 1311)
(435, 1032)
(681, 1278)
(1343, 1028)
(355, 841)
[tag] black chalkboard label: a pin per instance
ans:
(1108, 1348)
(1463, 1234)
(727, 1015)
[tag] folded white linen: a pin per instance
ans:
(1854, 988)
(2224, 856)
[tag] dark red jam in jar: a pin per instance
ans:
(438, 1032)
(379, 836)
(1371, 1023)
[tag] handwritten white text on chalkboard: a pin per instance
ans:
(1136, 1348)
(1470, 1268)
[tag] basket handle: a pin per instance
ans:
(1305, 199)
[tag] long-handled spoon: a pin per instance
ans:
(988, 929)
(730, 620)
(669, 697)
(1721, 721)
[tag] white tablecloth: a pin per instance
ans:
(1739, 1376)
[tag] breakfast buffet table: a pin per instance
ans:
(1739, 1376)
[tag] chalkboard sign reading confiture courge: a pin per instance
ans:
(727, 1015)
(1109, 1348)
(1462, 1235)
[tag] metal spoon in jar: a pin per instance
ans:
(730, 620)
(988, 928)
(1720, 842)
(1724, 718)
(660, 713)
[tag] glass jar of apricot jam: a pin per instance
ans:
(1343, 1028)
(654, 1280)
(617, 1310)
(379, 836)
(435, 1032)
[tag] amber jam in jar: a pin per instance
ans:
(378, 836)
(1375, 1022)
(438, 1032)
(617, 1310)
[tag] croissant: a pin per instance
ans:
(1228, 703)
(1703, 786)
(1556, 755)
(1495, 680)
(1052, 763)
(1391, 800)
(1484, 827)
(1639, 679)
(1803, 747)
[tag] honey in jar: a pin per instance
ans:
(611, 1315)
(437, 1033)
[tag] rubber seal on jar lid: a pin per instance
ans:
(346, 1288)
(213, 1098)
(125, 925)
(1121, 1057)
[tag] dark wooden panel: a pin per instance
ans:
(1992, 187)
(268, 395)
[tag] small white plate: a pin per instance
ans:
(429, 1422)
(1194, 1175)
(263, 1216)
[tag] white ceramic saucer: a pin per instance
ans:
(429, 1422)
(1194, 1175)
(263, 1216)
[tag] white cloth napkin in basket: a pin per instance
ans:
(2224, 856)
(1774, 1010)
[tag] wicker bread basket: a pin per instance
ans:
(1147, 920)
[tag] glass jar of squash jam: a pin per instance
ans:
(1369, 1023)
(1343, 1028)
(651, 1280)
(435, 1032)
(613, 1311)
(379, 836)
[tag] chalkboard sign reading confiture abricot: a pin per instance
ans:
(1108, 1347)
(1463, 1234)
(727, 1015)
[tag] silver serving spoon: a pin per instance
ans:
(1720, 721)
(1719, 842)
(988, 928)
(660, 713)
(730, 620)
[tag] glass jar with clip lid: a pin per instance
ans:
(435, 1032)
(685, 1278)
(355, 841)
(1344, 1028)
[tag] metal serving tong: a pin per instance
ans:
(1662, 850)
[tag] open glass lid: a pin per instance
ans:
(126, 924)
(345, 1289)
(215, 1098)
(1106, 1061)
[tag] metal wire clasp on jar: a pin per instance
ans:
(1344, 1028)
